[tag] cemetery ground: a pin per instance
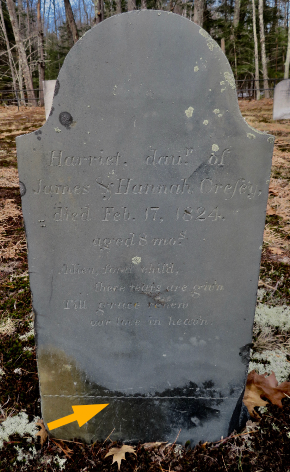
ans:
(263, 445)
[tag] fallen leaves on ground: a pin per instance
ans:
(9, 209)
(152, 445)
(9, 177)
(264, 386)
(42, 432)
(63, 447)
(159, 450)
(118, 453)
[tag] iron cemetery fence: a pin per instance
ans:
(246, 88)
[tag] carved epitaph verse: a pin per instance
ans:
(144, 199)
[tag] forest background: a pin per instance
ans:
(36, 35)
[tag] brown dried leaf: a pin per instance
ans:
(264, 386)
(151, 445)
(276, 250)
(118, 453)
(272, 190)
(42, 432)
(270, 210)
(252, 396)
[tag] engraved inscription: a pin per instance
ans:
(138, 240)
(154, 159)
(110, 214)
(57, 189)
(128, 186)
(75, 305)
(150, 322)
(200, 214)
(59, 159)
(64, 214)
(161, 294)
(240, 187)
(218, 160)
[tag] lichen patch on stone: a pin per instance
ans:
(211, 44)
(230, 79)
(205, 122)
(251, 136)
(196, 68)
(215, 147)
(189, 112)
(204, 33)
(216, 111)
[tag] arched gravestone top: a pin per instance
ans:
(144, 198)
(281, 106)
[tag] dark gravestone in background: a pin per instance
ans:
(144, 198)
(281, 106)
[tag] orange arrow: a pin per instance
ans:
(82, 414)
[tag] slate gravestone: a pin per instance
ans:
(48, 92)
(281, 106)
(144, 198)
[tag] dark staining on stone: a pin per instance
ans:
(22, 188)
(239, 417)
(245, 353)
(51, 111)
(186, 407)
(65, 119)
(56, 88)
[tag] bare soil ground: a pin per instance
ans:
(263, 446)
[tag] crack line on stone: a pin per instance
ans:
(141, 398)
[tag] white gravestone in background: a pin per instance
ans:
(48, 92)
(281, 107)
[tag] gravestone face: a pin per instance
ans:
(144, 198)
(281, 107)
(48, 92)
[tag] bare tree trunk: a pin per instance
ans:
(28, 28)
(21, 50)
(71, 21)
(131, 5)
(263, 49)
(256, 52)
(198, 12)
(54, 17)
(99, 11)
(287, 62)
(41, 63)
(223, 45)
(237, 13)
(10, 58)
(143, 4)
(86, 12)
(119, 6)
(20, 81)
